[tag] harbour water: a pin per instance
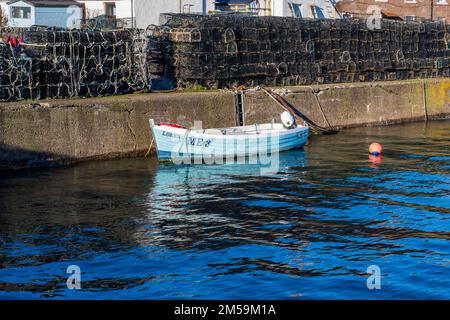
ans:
(140, 230)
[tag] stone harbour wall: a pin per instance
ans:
(67, 131)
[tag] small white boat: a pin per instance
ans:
(174, 142)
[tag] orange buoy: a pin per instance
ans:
(375, 159)
(375, 149)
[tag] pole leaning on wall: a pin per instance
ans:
(133, 25)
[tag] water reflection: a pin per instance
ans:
(143, 230)
(206, 205)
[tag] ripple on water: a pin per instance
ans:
(141, 230)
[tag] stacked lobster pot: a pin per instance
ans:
(230, 50)
(159, 53)
(63, 63)
(221, 51)
(19, 78)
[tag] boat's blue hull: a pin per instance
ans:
(174, 144)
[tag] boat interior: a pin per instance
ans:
(253, 129)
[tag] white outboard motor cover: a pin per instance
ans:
(287, 119)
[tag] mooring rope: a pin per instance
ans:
(320, 107)
(149, 148)
(299, 116)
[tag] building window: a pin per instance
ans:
(110, 9)
(381, 0)
(297, 9)
(317, 13)
(187, 8)
(441, 19)
(410, 18)
(441, 2)
(410, 1)
(245, 6)
(239, 7)
(21, 12)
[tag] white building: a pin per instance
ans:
(148, 11)
(319, 9)
(52, 13)
(145, 12)
(114, 9)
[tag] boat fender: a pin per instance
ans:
(287, 119)
(375, 149)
